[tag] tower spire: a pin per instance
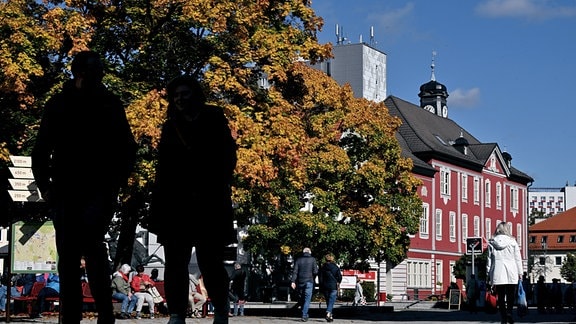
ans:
(433, 77)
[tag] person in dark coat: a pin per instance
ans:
(237, 283)
(84, 153)
(303, 276)
(330, 278)
(196, 162)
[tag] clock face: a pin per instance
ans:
(444, 111)
(430, 108)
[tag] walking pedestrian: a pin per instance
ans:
(504, 269)
(198, 153)
(359, 293)
(83, 155)
(303, 276)
(329, 278)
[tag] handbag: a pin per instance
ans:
(491, 305)
(155, 295)
(521, 300)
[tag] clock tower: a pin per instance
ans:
(433, 95)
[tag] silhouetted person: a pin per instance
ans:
(154, 275)
(541, 294)
(237, 283)
(84, 153)
(556, 296)
(196, 162)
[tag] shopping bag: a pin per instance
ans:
(521, 301)
(155, 294)
(491, 305)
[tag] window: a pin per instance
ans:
(572, 238)
(476, 190)
(424, 221)
(464, 187)
(464, 227)
(558, 261)
(438, 224)
(439, 274)
(560, 239)
(452, 276)
(445, 182)
(532, 239)
(487, 193)
(452, 221)
(419, 274)
(519, 234)
(488, 234)
(514, 198)
(542, 260)
(498, 195)
(476, 226)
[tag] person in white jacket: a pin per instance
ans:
(504, 268)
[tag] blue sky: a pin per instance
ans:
(509, 66)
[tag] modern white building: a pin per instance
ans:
(552, 201)
(361, 66)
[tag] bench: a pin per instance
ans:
(30, 299)
(87, 297)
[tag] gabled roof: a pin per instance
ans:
(562, 222)
(426, 136)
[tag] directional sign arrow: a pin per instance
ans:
(21, 173)
(23, 184)
(25, 195)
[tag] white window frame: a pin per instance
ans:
(498, 195)
(476, 190)
(445, 182)
(425, 221)
(487, 193)
(464, 227)
(452, 276)
(439, 272)
(418, 274)
(438, 222)
(519, 234)
(514, 198)
(464, 187)
(488, 230)
(476, 226)
(452, 221)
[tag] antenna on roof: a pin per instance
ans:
(372, 40)
(340, 39)
(433, 77)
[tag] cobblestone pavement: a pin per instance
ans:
(363, 315)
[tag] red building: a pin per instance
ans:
(468, 188)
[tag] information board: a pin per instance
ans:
(454, 299)
(34, 247)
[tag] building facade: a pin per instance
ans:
(468, 188)
(551, 201)
(549, 242)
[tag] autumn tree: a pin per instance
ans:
(337, 153)
(304, 140)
